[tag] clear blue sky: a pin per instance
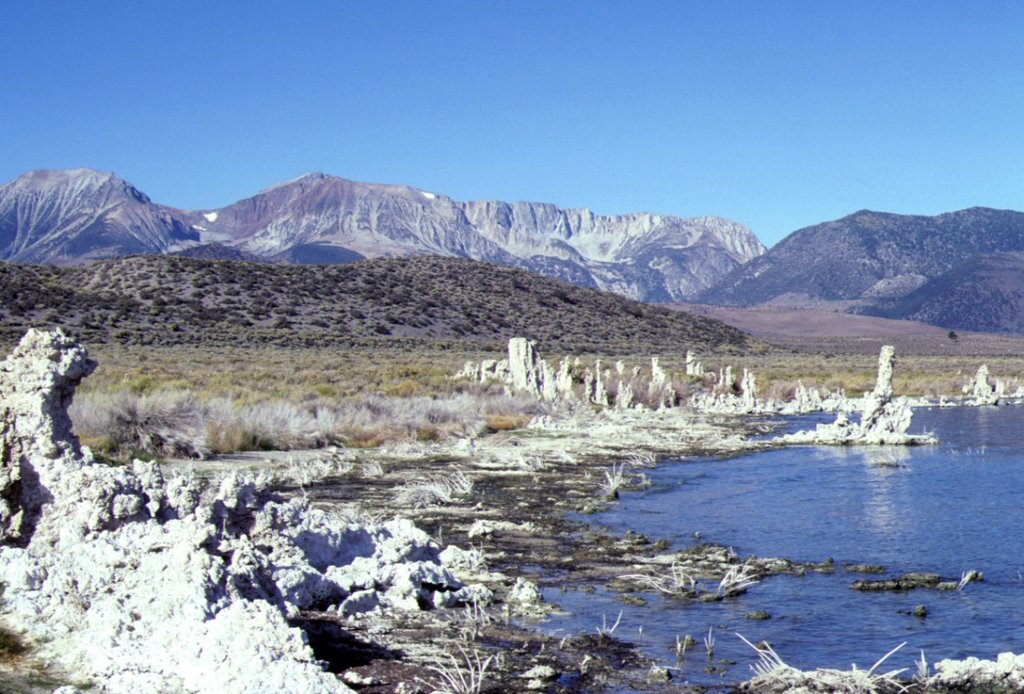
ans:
(776, 114)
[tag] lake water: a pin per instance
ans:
(945, 509)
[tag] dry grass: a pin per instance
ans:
(188, 401)
(259, 398)
(506, 422)
(253, 374)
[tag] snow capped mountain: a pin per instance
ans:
(77, 215)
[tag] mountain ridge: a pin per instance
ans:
(868, 254)
(74, 215)
(641, 255)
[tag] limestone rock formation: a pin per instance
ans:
(806, 400)
(979, 391)
(693, 367)
(884, 420)
(725, 399)
(524, 366)
(748, 389)
(136, 583)
(1005, 674)
(528, 372)
(37, 383)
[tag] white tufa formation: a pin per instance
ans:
(524, 366)
(884, 420)
(748, 390)
(693, 367)
(980, 392)
(37, 383)
(134, 582)
(599, 396)
(726, 380)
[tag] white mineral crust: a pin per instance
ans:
(136, 583)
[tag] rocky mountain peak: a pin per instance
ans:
(73, 215)
(322, 218)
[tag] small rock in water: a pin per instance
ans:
(865, 568)
(357, 680)
(540, 672)
(659, 674)
(921, 611)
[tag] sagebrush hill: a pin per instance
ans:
(170, 300)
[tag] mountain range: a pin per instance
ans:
(960, 270)
(71, 216)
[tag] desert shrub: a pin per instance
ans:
(229, 437)
(269, 425)
(161, 423)
(783, 391)
(506, 422)
(435, 490)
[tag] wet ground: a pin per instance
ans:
(527, 511)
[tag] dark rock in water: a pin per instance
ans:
(758, 615)
(908, 581)
(865, 568)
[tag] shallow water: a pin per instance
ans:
(945, 508)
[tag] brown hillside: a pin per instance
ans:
(176, 300)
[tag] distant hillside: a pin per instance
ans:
(867, 259)
(774, 323)
(69, 217)
(985, 294)
(217, 251)
(178, 300)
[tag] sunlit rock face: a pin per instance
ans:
(643, 256)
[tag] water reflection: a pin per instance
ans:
(883, 512)
(943, 508)
(886, 458)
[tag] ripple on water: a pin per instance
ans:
(945, 509)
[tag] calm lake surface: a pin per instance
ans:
(945, 509)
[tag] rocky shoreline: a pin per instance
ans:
(383, 570)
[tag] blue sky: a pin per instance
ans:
(775, 114)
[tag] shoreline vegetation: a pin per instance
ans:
(233, 399)
(378, 432)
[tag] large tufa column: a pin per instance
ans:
(748, 386)
(37, 383)
(693, 367)
(524, 366)
(876, 400)
(982, 390)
